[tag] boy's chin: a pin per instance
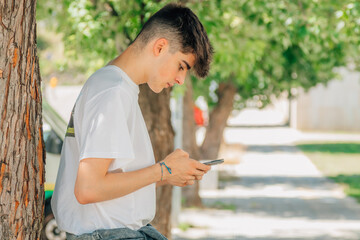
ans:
(155, 89)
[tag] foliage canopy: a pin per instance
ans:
(262, 47)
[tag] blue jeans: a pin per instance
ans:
(147, 232)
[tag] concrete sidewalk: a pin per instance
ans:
(275, 192)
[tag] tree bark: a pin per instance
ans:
(217, 121)
(157, 115)
(22, 154)
(191, 192)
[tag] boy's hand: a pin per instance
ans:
(184, 169)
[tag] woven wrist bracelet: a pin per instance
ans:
(163, 164)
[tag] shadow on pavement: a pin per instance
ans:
(285, 197)
(253, 182)
(325, 208)
(272, 148)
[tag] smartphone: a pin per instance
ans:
(212, 162)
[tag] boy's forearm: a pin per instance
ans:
(121, 184)
(115, 184)
(94, 183)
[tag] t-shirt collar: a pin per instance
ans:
(126, 77)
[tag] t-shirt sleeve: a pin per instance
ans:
(104, 131)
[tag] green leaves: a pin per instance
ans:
(96, 31)
(267, 47)
(262, 47)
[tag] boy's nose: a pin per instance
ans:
(180, 79)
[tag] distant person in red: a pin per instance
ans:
(198, 116)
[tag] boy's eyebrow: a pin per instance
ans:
(187, 65)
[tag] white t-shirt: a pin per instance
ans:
(106, 123)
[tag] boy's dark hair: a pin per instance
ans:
(185, 33)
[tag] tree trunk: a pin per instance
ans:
(157, 115)
(217, 121)
(191, 192)
(22, 155)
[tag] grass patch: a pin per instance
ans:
(184, 226)
(351, 184)
(338, 161)
(348, 148)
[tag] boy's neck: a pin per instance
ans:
(133, 64)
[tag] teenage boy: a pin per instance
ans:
(105, 188)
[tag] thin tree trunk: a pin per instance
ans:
(191, 192)
(214, 132)
(157, 115)
(22, 155)
(217, 121)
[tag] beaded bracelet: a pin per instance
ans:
(162, 173)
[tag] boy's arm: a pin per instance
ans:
(95, 184)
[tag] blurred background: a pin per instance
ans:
(281, 105)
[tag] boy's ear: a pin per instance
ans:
(159, 46)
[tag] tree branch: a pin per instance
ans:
(94, 2)
(110, 8)
(142, 15)
(127, 35)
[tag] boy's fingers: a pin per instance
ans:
(190, 178)
(199, 172)
(202, 166)
(191, 182)
(198, 177)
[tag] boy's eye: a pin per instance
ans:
(181, 67)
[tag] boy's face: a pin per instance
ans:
(170, 69)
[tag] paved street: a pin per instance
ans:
(275, 192)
